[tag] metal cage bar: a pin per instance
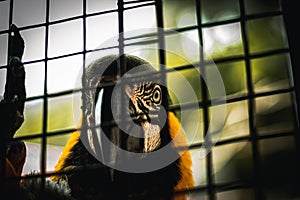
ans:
(205, 107)
(211, 188)
(251, 103)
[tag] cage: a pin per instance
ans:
(237, 57)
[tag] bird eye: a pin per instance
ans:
(156, 97)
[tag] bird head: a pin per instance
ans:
(129, 111)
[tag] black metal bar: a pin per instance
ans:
(43, 161)
(142, 42)
(166, 32)
(204, 92)
(49, 134)
(251, 105)
(204, 25)
(161, 42)
(136, 1)
(183, 67)
(121, 66)
(291, 15)
(201, 104)
(139, 6)
(215, 61)
(84, 80)
(61, 20)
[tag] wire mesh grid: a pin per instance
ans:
(256, 184)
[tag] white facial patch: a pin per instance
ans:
(98, 116)
(152, 136)
(98, 108)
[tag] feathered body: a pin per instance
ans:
(144, 107)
